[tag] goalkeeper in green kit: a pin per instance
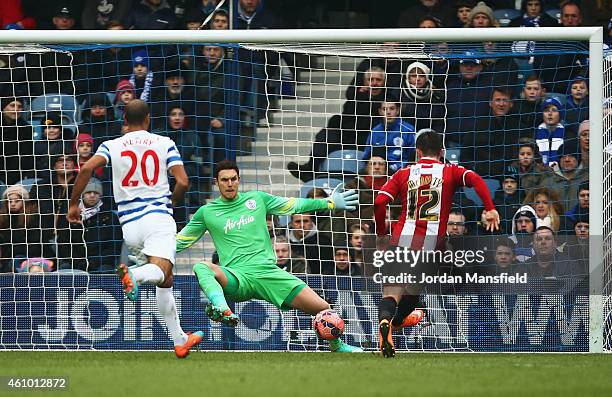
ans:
(237, 225)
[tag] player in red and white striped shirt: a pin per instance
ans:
(426, 190)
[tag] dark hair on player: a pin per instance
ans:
(226, 165)
(136, 112)
(429, 142)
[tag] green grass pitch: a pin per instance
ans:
(202, 374)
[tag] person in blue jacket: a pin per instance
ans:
(397, 135)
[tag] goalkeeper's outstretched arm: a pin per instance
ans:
(338, 200)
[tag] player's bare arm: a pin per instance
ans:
(83, 177)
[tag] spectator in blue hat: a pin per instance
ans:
(142, 76)
(552, 132)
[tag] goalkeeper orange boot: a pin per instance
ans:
(130, 286)
(385, 339)
(182, 351)
(412, 319)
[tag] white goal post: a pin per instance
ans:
(594, 35)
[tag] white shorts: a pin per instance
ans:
(152, 235)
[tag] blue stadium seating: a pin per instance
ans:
(66, 104)
(343, 161)
(325, 183)
(555, 13)
(28, 182)
(452, 155)
(470, 193)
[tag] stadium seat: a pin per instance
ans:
(325, 183)
(452, 155)
(555, 13)
(505, 15)
(66, 104)
(29, 182)
(470, 193)
(342, 161)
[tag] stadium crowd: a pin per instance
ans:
(519, 121)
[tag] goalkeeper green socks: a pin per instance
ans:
(210, 286)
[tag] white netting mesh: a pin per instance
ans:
(281, 104)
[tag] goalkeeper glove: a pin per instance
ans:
(343, 200)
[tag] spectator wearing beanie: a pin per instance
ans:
(482, 16)
(422, 104)
(509, 199)
(523, 227)
(142, 76)
(124, 93)
(552, 132)
(56, 140)
(103, 235)
(83, 147)
(568, 174)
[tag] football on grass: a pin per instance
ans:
(328, 324)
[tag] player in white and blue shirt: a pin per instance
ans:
(140, 164)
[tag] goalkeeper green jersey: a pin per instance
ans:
(238, 227)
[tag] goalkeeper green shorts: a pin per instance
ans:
(268, 283)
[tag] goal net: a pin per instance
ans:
(300, 119)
